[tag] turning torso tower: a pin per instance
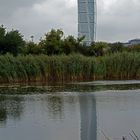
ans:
(87, 20)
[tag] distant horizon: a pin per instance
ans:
(37, 39)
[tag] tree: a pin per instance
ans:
(98, 49)
(73, 45)
(116, 47)
(101, 48)
(32, 48)
(2, 38)
(52, 44)
(133, 48)
(69, 45)
(10, 42)
(14, 42)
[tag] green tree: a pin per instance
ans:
(101, 48)
(52, 43)
(32, 48)
(133, 48)
(98, 49)
(69, 45)
(13, 42)
(2, 39)
(10, 42)
(73, 45)
(116, 47)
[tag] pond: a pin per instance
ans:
(98, 110)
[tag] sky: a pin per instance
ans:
(117, 20)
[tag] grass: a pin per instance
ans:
(42, 68)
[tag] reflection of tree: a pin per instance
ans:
(3, 115)
(3, 111)
(55, 106)
(88, 117)
(10, 107)
(16, 108)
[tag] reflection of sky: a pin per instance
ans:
(118, 113)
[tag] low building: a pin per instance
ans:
(132, 42)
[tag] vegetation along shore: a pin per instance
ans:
(59, 58)
(75, 67)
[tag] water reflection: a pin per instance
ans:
(10, 108)
(88, 117)
(69, 115)
(55, 106)
(3, 116)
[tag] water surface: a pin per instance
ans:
(71, 112)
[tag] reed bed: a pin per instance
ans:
(43, 68)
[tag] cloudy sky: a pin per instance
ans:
(117, 20)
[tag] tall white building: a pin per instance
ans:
(87, 20)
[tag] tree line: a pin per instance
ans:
(55, 43)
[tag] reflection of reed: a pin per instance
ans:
(3, 115)
(10, 107)
(133, 135)
(88, 118)
(55, 105)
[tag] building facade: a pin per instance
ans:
(132, 42)
(87, 20)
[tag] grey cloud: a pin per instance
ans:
(117, 22)
(42, 17)
(120, 22)
(16, 3)
(8, 7)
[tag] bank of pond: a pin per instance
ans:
(68, 68)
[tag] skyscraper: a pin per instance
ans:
(87, 20)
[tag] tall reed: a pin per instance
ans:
(74, 67)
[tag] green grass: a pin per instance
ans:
(74, 67)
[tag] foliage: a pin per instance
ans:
(116, 47)
(69, 68)
(13, 42)
(2, 38)
(134, 48)
(31, 48)
(53, 42)
(72, 45)
(10, 42)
